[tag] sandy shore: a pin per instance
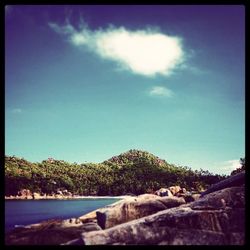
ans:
(102, 197)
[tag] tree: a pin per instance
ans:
(241, 168)
(242, 162)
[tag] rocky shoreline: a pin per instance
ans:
(26, 194)
(58, 197)
(178, 218)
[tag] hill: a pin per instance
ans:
(134, 171)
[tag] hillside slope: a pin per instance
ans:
(134, 171)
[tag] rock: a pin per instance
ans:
(128, 211)
(89, 217)
(130, 194)
(231, 197)
(36, 196)
(147, 197)
(235, 180)
(71, 222)
(87, 227)
(59, 192)
(166, 227)
(134, 208)
(11, 197)
(170, 202)
(237, 238)
(45, 233)
(59, 196)
(25, 194)
(202, 237)
(51, 232)
(181, 192)
(48, 196)
(196, 196)
(216, 219)
(136, 234)
(65, 192)
(189, 197)
(91, 226)
(164, 192)
(75, 242)
(175, 189)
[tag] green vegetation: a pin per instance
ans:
(134, 172)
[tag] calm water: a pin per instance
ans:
(24, 212)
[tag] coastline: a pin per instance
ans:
(59, 197)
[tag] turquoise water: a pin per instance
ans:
(25, 212)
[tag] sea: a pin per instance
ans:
(19, 213)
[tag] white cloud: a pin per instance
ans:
(146, 52)
(160, 91)
(66, 29)
(228, 166)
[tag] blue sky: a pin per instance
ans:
(85, 83)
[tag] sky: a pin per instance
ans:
(84, 83)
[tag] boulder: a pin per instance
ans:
(170, 202)
(75, 242)
(168, 227)
(232, 181)
(86, 227)
(65, 192)
(72, 222)
(11, 197)
(91, 226)
(51, 232)
(228, 197)
(25, 194)
(89, 217)
(175, 189)
(163, 192)
(196, 196)
(36, 196)
(134, 208)
(146, 197)
(189, 197)
(202, 237)
(59, 196)
(181, 192)
(215, 219)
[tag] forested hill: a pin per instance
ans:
(134, 172)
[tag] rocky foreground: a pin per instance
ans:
(216, 218)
